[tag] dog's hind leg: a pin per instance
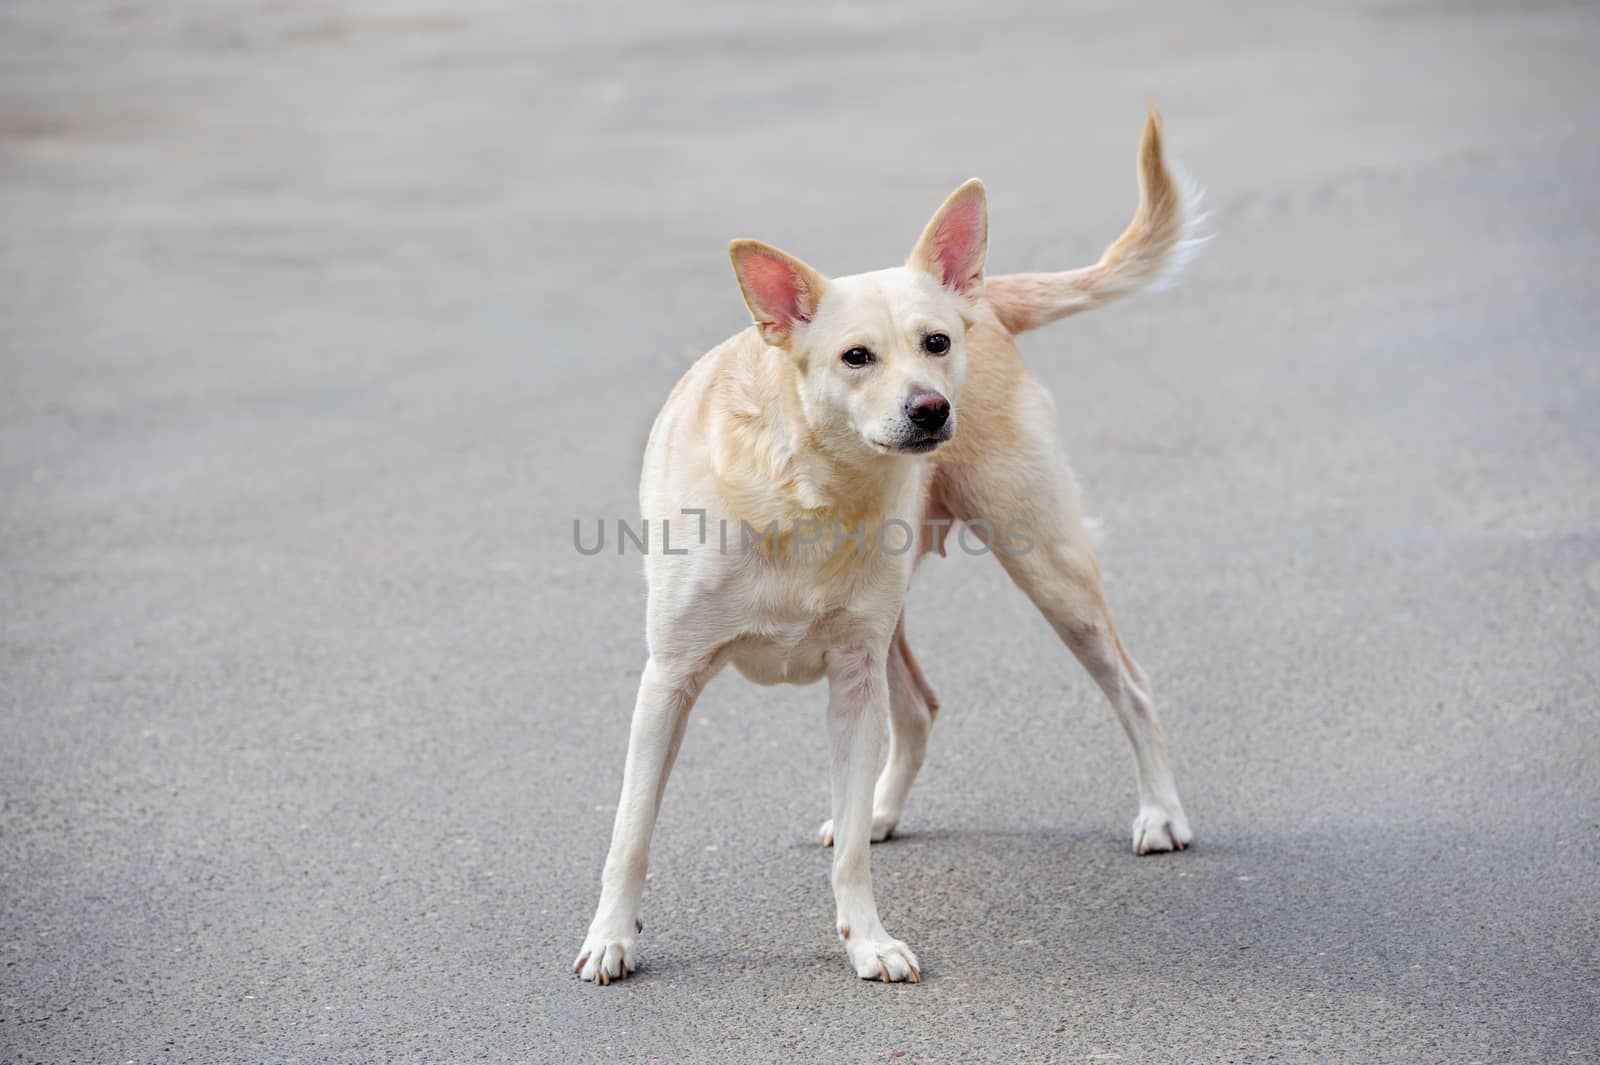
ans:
(1021, 498)
(1064, 583)
(912, 707)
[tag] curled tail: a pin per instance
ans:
(1162, 237)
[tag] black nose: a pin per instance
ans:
(927, 410)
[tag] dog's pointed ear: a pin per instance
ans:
(953, 246)
(782, 291)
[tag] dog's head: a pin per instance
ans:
(882, 356)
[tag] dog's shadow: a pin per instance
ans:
(1317, 912)
(1307, 907)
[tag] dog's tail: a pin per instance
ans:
(1163, 236)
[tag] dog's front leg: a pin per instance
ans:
(858, 706)
(666, 695)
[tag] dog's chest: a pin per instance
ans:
(796, 613)
(790, 654)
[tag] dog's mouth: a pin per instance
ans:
(919, 445)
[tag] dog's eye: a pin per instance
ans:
(936, 343)
(857, 357)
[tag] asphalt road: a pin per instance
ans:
(322, 323)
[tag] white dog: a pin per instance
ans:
(783, 483)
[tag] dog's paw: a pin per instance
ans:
(882, 829)
(1157, 829)
(607, 957)
(884, 958)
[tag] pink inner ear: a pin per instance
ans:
(955, 247)
(781, 292)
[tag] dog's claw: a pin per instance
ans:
(883, 827)
(883, 958)
(1157, 831)
(607, 957)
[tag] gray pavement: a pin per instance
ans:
(323, 322)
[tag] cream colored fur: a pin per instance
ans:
(774, 426)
